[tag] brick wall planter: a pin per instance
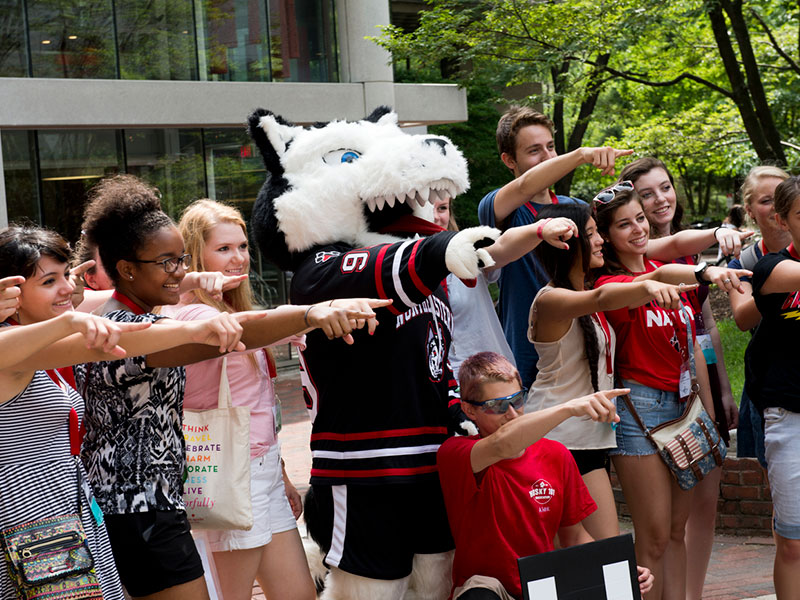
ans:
(745, 505)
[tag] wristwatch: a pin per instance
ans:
(699, 271)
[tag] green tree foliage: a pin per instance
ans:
(711, 86)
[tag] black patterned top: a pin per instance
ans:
(134, 448)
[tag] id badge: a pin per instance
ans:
(707, 346)
(685, 381)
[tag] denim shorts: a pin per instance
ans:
(654, 407)
(782, 442)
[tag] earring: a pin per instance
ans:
(130, 277)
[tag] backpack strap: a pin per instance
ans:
(748, 258)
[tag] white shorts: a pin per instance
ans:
(782, 443)
(271, 511)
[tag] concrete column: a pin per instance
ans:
(363, 61)
(3, 204)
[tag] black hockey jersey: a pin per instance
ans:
(380, 407)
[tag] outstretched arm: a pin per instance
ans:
(38, 346)
(514, 436)
(562, 305)
(517, 192)
(726, 279)
(516, 242)
(693, 241)
(262, 328)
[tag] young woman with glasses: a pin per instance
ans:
(40, 331)
(134, 446)
(651, 349)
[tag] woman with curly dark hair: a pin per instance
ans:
(134, 446)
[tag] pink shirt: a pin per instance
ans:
(250, 386)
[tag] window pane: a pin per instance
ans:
(171, 160)
(302, 40)
(235, 175)
(19, 172)
(72, 38)
(232, 41)
(12, 40)
(156, 39)
(71, 162)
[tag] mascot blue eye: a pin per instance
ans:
(349, 156)
(342, 155)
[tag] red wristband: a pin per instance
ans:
(540, 228)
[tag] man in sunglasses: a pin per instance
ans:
(508, 491)
(526, 146)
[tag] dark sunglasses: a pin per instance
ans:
(499, 406)
(608, 194)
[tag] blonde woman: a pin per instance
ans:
(271, 552)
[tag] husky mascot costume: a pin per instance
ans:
(343, 207)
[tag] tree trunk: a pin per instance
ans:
(704, 196)
(739, 90)
(687, 186)
(584, 116)
(754, 84)
(558, 106)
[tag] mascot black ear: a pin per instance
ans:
(272, 134)
(379, 114)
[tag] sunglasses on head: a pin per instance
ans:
(608, 194)
(499, 406)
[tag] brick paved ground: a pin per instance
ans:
(740, 567)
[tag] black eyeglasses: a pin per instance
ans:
(608, 194)
(499, 406)
(170, 265)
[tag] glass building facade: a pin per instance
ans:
(200, 40)
(48, 172)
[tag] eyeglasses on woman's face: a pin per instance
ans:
(170, 265)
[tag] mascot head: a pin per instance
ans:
(346, 182)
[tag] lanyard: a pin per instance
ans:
(529, 205)
(123, 299)
(600, 319)
(271, 367)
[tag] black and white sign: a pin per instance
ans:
(604, 570)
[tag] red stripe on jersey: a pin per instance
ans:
(373, 472)
(413, 272)
(376, 435)
(379, 279)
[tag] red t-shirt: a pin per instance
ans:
(515, 509)
(648, 350)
